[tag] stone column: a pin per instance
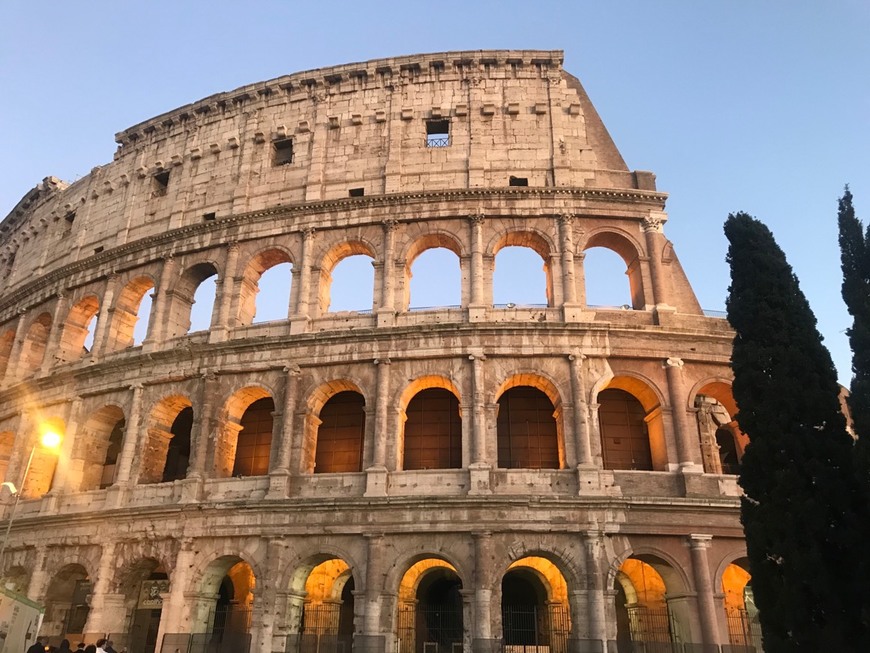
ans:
(225, 294)
(52, 347)
(263, 611)
(100, 335)
(482, 638)
(704, 587)
(280, 472)
(20, 449)
(175, 608)
(130, 448)
(299, 320)
(198, 468)
(63, 478)
(571, 307)
(376, 474)
(160, 297)
(104, 616)
(478, 305)
(480, 467)
(655, 240)
(387, 311)
(39, 578)
(581, 411)
(677, 396)
(595, 595)
(372, 640)
(13, 367)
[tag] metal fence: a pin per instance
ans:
(326, 628)
(535, 629)
(427, 628)
(743, 631)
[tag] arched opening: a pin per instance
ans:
(624, 433)
(521, 277)
(6, 342)
(744, 629)
(131, 316)
(601, 270)
(97, 447)
(77, 338)
(167, 427)
(15, 578)
(433, 431)
(222, 616)
(264, 295)
(7, 443)
(722, 441)
(433, 278)
(321, 612)
(67, 603)
(528, 434)
(644, 617)
(178, 449)
(142, 585)
(35, 342)
(340, 435)
(607, 284)
(254, 443)
(191, 302)
(430, 618)
(534, 605)
(347, 279)
(44, 462)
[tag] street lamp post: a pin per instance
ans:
(50, 440)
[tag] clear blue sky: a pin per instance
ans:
(755, 106)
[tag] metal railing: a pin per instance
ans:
(437, 141)
(430, 628)
(535, 629)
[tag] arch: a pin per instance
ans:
(7, 444)
(44, 462)
(224, 603)
(128, 325)
(631, 424)
(7, 340)
(426, 287)
(534, 240)
(163, 427)
(335, 255)
(97, 447)
(430, 607)
(340, 433)
(79, 327)
(741, 614)
(432, 434)
(245, 439)
(534, 604)
(35, 343)
(249, 291)
(67, 603)
(630, 251)
(141, 584)
(181, 299)
(529, 424)
(606, 279)
(16, 578)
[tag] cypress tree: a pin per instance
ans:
(802, 504)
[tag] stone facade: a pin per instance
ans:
(349, 533)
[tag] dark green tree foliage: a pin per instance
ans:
(855, 259)
(802, 504)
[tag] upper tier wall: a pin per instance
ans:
(357, 126)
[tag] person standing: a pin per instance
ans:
(38, 646)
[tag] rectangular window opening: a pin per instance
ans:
(160, 183)
(356, 192)
(437, 133)
(70, 217)
(208, 217)
(97, 250)
(518, 181)
(283, 151)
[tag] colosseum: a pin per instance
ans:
(480, 477)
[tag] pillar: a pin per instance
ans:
(707, 612)
(571, 305)
(387, 311)
(175, 608)
(581, 411)
(299, 320)
(655, 239)
(225, 294)
(103, 616)
(101, 334)
(202, 427)
(39, 578)
(52, 346)
(13, 367)
(595, 596)
(478, 305)
(482, 640)
(376, 474)
(677, 396)
(284, 436)
(480, 467)
(130, 448)
(161, 296)
(63, 479)
(372, 640)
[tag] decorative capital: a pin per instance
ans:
(390, 224)
(232, 245)
(566, 218)
(697, 541)
(308, 232)
(577, 357)
(382, 361)
(136, 386)
(293, 370)
(477, 219)
(674, 362)
(654, 222)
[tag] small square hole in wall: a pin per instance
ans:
(283, 151)
(518, 181)
(160, 182)
(356, 192)
(208, 217)
(99, 249)
(437, 133)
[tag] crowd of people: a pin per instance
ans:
(102, 646)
